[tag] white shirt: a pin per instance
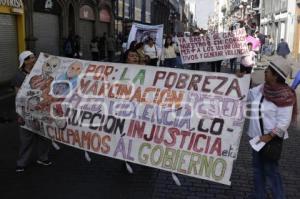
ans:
(169, 52)
(249, 60)
(275, 119)
(152, 52)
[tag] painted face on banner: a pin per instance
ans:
(74, 70)
(50, 65)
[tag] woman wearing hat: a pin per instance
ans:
(27, 138)
(275, 101)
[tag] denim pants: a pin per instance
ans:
(266, 170)
(171, 63)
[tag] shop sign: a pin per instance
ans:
(105, 16)
(48, 6)
(86, 12)
(12, 3)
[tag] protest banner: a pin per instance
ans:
(186, 122)
(213, 47)
(141, 33)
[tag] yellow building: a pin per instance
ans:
(296, 49)
(12, 37)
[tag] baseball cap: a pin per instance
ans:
(23, 56)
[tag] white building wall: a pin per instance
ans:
(280, 25)
(221, 15)
(291, 23)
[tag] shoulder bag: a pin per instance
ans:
(272, 149)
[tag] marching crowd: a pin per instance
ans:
(275, 99)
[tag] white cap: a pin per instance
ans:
(23, 56)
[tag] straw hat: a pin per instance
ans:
(281, 66)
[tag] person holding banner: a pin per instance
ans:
(169, 53)
(273, 107)
(144, 59)
(132, 47)
(151, 50)
(28, 138)
(132, 57)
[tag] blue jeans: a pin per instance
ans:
(266, 169)
(178, 62)
(171, 63)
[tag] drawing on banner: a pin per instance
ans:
(213, 46)
(141, 33)
(144, 35)
(186, 122)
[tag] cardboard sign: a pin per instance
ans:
(213, 47)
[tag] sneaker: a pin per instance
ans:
(20, 169)
(44, 163)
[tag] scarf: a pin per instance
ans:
(281, 95)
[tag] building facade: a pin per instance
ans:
(296, 20)
(233, 14)
(49, 22)
(163, 12)
(129, 11)
(12, 34)
(174, 14)
(275, 20)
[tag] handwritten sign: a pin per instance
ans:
(182, 121)
(213, 47)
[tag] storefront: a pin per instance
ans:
(50, 22)
(105, 21)
(46, 26)
(12, 34)
(86, 29)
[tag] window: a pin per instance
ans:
(148, 12)
(120, 8)
(138, 10)
(283, 5)
(127, 9)
(276, 6)
(282, 30)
